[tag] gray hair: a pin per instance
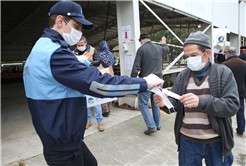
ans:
(83, 38)
(231, 51)
(146, 39)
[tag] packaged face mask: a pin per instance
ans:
(164, 93)
(83, 60)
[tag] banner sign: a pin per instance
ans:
(221, 39)
(93, 101)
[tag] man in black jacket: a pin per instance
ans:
(149, 60)
(238, 68)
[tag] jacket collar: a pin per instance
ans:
(232, 57)
(55, 37)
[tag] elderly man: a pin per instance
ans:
(149, 60)
(238, 68)
(55, 83)
(209, 98)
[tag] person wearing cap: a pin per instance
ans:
(56, 82)
(149, 60)
(238, 68)
(209, 98)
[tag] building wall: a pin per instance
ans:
(198, 8)
(225, 14)
(221, 13)
(242, 9)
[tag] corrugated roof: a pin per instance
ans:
(23, 22)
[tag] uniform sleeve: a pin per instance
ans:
(96, 59)
(67, 70)
(137, 64)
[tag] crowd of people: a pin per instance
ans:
(57, 79)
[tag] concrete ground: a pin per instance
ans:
(122, 143)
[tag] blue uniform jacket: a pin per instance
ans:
(55, 83)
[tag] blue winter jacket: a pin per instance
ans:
(55, 83)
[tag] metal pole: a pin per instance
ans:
(106, 21)
(180, 55)
(239, 30)
(188, 28)
(86, 14)
(161, 21)
(168, 44)
(152, 26)
(142, 19)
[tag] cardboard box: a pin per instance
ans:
(107, 70)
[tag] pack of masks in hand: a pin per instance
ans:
(83, 60)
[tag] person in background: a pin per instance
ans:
(91, 54)
(209, 98)
(238, 68)
(106, 59)
(87, 50)
(105, 55)
(56, 82)
(149, 60)
(221, 57)
(243, 55)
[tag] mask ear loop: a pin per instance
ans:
(204, 54)
(66, 23)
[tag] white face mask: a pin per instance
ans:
(81, 48)
(195, 63)
(72, 38)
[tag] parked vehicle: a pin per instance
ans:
(11, 72)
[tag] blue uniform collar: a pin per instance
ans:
(55, 37)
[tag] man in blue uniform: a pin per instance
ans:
(55, 83)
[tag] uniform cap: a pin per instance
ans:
(73, 10)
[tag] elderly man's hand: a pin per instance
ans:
(152, 80)
(189, 100)
(158, 101)
(163, 40)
